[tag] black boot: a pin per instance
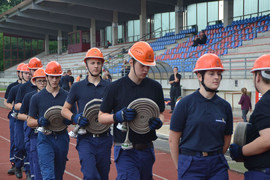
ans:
(18, 173)
(11, 171)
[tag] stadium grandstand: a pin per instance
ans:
(237, 30)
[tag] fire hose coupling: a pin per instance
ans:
(14, 114)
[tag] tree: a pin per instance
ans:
(4, 6)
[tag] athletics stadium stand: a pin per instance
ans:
(243, 38)
(220, 40)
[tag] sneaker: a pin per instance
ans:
(11, 171)
(18, 173)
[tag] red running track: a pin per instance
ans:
(163, 167)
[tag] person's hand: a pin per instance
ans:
(79, 119)
(42, 121)
(124, 115)
(236, 152)
(155, 123)
(67, 122)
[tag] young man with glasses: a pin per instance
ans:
(38, 79)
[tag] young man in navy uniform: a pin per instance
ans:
(204, 123)
(52, 148)
(38, 79)
(11, 171)
(94, 150)
(19, 152)
(21, 126)
(135, 163)
(256, 153)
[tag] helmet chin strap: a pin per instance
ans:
(23, 78)
(93, 74)
(205, 87)
(19, 76)
(48, 81)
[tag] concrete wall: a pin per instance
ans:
(230, 89)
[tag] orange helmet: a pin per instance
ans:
(34, 63)
(39, 73)
(94, 53)
(262, 63)
(20, 66)
(208, 62)
(143, 52)
(53, 68)
(24, 68)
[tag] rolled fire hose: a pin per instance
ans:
(240, 133)
(53, 114)
(146, 109)
(90, 112)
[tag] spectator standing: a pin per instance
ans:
(245, 104)
(67, 80)
(256, 152)
(175, 90)
(204, 123)
(107, 76)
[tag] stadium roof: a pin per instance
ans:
(35, 18)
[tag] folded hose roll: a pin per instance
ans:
(146, 109)
(90, 112)
(53, 114)
(240, 133)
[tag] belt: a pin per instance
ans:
(198, 153)
(141, 147)
(105, 134)
(59, 132)
(263, 170)
(138, 147)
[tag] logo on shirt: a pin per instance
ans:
(221, 120)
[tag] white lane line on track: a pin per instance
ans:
(75, 145)
(5, 119)
(5, 138)
(160, 153)
(72, 144)
(73, 175)
(160, 177)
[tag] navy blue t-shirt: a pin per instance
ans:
(26, 102)
(43, 100)
(65, 82)
(25, 88)
(82, 92)
(12, 94)
(175, 84)
(121, 93)
(203, 122)
(9, 88)
(259, 119)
